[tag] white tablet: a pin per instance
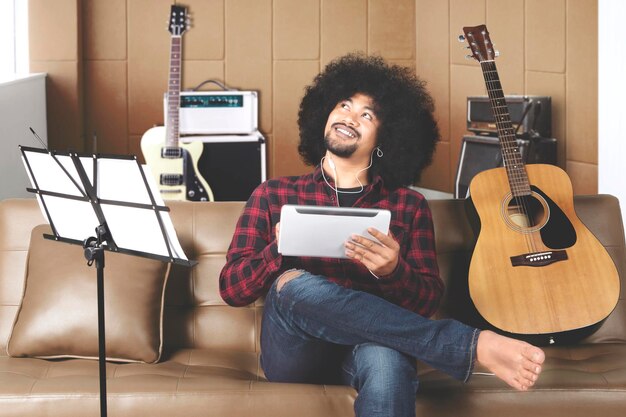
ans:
(323, 231)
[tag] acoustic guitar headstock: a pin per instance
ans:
(479, 43)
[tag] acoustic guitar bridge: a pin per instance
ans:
(539, 258)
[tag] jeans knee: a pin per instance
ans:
(302, 285)
(287, 276)
(291, 288)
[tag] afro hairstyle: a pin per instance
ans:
(408, 132)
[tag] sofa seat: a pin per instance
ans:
(214, 382)
(187, 383)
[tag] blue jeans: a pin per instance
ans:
(315, 331)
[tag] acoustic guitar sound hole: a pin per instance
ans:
(525, 214)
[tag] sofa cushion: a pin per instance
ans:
(58, 316)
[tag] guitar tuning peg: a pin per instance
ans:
(496, 53)
(468, 57)
(461, 38)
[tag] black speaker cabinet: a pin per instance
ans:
(232, 165)
(479, 153)
(529, 114)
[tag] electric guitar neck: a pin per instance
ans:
(175, 164)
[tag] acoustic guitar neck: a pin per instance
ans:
(484, 52)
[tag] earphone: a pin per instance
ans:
(331, 163)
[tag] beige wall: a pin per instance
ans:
(107, 62)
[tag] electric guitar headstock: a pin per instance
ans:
(179, 21)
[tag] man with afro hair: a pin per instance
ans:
(368, 130)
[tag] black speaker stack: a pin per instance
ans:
(531, 117)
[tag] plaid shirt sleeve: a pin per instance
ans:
(252, 259)
(415, 284)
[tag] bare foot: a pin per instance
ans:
(515, 362)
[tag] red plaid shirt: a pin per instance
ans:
(253, 261)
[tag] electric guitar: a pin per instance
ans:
(175, 164)
(536, 272)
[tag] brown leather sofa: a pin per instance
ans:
(210, 362)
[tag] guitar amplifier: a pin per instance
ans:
(232, 165)
(217, 112)
(533, 113)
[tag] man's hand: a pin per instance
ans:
(380, 258)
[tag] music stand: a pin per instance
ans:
(112, 195)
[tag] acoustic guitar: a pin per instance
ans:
(536, 272)
(175, 164)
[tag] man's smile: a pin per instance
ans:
(345, 130)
